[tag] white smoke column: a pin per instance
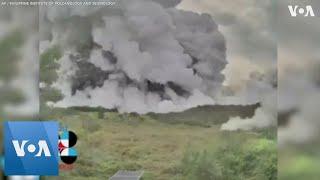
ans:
(260, 89)
(264, 116)
(154, 58)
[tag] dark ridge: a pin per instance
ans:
(92, 109)
(204, 116)
(207, 115)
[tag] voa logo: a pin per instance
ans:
(31, 148)
(303, 11)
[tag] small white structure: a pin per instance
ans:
(127, 175)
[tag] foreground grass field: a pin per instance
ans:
(165, 151)
(300, 162)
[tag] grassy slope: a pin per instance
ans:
(204, 116)
(140, 142)
(297, 163)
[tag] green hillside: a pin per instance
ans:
(206, 115)
(112, 141)
(199, 116)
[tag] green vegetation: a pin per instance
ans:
(48, 75)
(206, 115)
(297, 163)
(252, 160)
(112, 141)
(48, 64)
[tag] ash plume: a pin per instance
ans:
(261, 87)
(139, 56)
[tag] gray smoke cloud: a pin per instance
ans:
(261, 87)
(299, 87)
(139, 56)
(251, 77)
(299, 94)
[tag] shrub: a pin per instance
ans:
(234, 161)
(195, 166)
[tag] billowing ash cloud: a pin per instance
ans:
(138, 56)
(262, 87)
(299, 87)
(264, 116)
